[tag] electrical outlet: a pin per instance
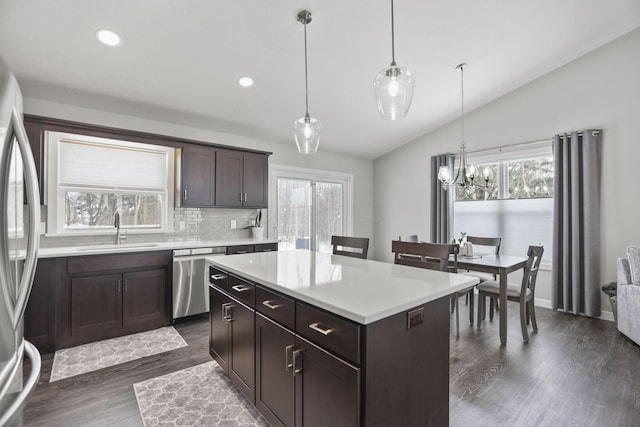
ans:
(233, 224)
(415, 317)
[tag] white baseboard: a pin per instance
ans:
(544, 303)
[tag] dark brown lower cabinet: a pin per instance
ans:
(298, 383)
(144, 298)
(108, 305)
(232, 340)
(39, 317)
(96, 306)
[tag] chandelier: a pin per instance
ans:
(465, 173)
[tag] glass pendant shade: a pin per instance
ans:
(307, 134)
(444, 175)
(393, 90)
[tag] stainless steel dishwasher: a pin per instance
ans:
(190, 284)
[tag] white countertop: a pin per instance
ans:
(361, 290)
(144, 247)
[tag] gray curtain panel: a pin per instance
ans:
(576, 223)
(441, 201)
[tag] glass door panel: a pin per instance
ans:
(294, 213)
(329, 213)
(296, 210)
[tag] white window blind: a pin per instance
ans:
(90, 179)
(111, 166)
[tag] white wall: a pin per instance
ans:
(283, 153)
(599, 90)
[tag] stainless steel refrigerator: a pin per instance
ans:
(19, 241)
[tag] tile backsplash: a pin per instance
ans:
(188, 224)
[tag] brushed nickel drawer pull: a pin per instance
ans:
(288, 362)
(297, 362)
(271, 305)
(316, 327)
(218, 276)
(242, 252)
(241, 288)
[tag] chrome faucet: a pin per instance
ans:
(116, 224)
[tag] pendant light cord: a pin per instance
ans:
(306, 88)
(393, 44)
(462, 103)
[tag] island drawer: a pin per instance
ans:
(334, 333)
(218, 278)
(266, 247)
(239, 249)
(276, 307)
(242, 290)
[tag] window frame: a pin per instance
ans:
(55, 191)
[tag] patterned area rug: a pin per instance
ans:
(197, 396)
(102, 354)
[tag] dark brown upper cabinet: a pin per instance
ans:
(197, 175)
(241, 179)
(246, 170)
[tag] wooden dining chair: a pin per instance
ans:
(355, 247)
(494, 242)
(524, 293)
(434, 256)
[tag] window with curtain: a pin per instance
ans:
(90, 179)
(517, 205)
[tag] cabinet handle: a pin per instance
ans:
(241, 288)
(185, 194)
(119, 286)
(316, 327)
(242, 252)
(241, 197)
(227, 313)
(288, 357)
(245, 197)
(126, 282)
(218, 276)
(271, 305)
(297, 362)
(266, 250)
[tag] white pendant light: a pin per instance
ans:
(393, 86)
(306, 129)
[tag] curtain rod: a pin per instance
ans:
(529, 143)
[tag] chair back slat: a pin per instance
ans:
(355, 247)
(486, 241)
(531, 269)
(433, 256)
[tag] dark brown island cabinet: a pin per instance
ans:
(303, 366)
(81, 299)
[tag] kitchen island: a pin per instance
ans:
(320, 339)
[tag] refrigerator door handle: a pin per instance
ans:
(16, 300)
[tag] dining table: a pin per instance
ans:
(500, 265)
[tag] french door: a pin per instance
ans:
(309, 207)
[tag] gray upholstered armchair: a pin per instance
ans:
(628, 299)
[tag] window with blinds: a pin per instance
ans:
(89, 179)
(517, 205)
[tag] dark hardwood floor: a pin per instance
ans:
(576, 371)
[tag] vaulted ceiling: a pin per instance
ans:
(181, 60)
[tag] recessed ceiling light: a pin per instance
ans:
(108, 37)
(245, 81)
